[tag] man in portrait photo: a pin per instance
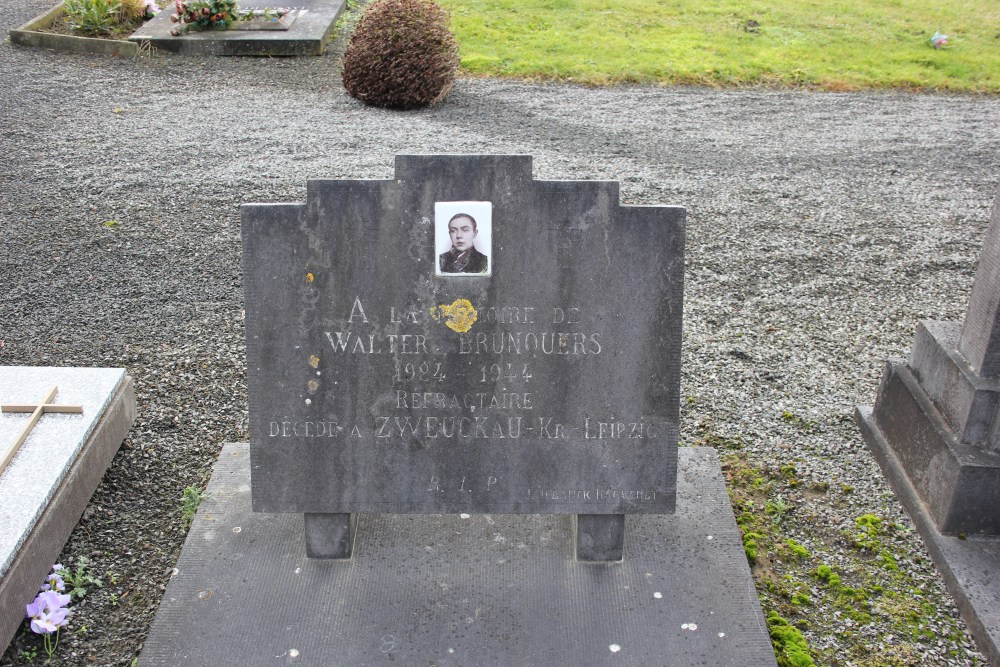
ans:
(463, 256)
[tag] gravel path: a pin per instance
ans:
(822, 228)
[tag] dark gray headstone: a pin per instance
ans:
(357, 322)
(548, 383)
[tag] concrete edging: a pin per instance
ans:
(30, 34)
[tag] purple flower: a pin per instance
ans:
(44, 624)
(41, 625)
(53, 600)
(48, 612)
(55, 580)
(36, 608)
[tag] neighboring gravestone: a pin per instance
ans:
(935, 431)
(543, 378)
(307, 35)
(59, 431)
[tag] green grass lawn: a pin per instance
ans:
(831, 44)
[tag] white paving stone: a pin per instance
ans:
(43, 460)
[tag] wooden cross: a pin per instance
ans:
(36, 413)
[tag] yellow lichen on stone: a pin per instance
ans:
(459, 316)
(313, 386)
(313, 361)
(310, 277)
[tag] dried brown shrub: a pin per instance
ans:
(401, 55)
(132, 10)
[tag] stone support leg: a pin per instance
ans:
(330, 535)
(600, 537)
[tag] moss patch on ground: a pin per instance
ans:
(830, 592)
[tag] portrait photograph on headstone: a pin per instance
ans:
(463, 238)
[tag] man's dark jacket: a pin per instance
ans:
(471, 262)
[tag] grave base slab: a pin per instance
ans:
(968, 565)
(50, 481)
(308, 35)
(461, 589)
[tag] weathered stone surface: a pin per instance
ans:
(600, 537)
(980, 342)
(966, 400)
(968, 562)
(549, 384)
(958, 482)
(330, 535)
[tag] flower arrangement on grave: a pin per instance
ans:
(199, 15)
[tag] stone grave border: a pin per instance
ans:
(309, 35)
(29, 34)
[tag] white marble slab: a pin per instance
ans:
(30, 481)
